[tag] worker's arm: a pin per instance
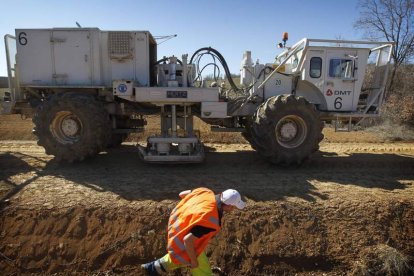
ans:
(184, 193)
(189, 240)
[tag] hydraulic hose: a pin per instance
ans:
(222, 61)
(165, 59)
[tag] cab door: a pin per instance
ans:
(340, 79)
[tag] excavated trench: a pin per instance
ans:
(272, 238)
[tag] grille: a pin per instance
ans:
(119, 45)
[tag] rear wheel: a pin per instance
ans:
(286, 129)
(72, 126)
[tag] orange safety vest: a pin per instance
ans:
(197, 208)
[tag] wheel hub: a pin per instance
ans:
(66, 127)
(288, 131)
(291, 131)
(69, 127)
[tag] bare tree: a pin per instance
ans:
(392, 20)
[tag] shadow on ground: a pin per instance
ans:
(12, 164)
(122, 172)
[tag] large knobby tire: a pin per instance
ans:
(286, 129)
(72, 126)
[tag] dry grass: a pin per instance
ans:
(399, 106)
(389, 131)
(382, 260)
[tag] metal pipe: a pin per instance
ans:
(381, 47)
(174, 120)
(172, 68)
(349, 41)
(277, 68)
(9, 68)
(185, 117)
(164, 129)
(185, 80)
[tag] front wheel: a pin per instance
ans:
(286, 129)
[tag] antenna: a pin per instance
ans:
(164, 37)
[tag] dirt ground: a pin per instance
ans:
(108, 214)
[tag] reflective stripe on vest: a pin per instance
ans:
(175, 225)
(178, 257)
(214, 220)
(197, 208)
(179, 243)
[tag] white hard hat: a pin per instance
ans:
(232, 197)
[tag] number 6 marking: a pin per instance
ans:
(338, 103)
(22, 38)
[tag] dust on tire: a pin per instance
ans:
(91, 138)
(303, 114)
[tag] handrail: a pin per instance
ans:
(9, 68)
(351, 41)
(292, 51)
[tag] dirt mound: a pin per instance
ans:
(108, 214)
(78, 239)
(265, 239)
(13, 127)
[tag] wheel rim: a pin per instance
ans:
(291, 131)
(66, 127)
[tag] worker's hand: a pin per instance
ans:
(194, 263)
(189, 241)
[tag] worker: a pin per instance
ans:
(192, 223)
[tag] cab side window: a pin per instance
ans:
(315, 67)
(341, 68)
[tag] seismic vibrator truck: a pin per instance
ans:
(86, 89)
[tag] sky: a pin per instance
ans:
(231, 27)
